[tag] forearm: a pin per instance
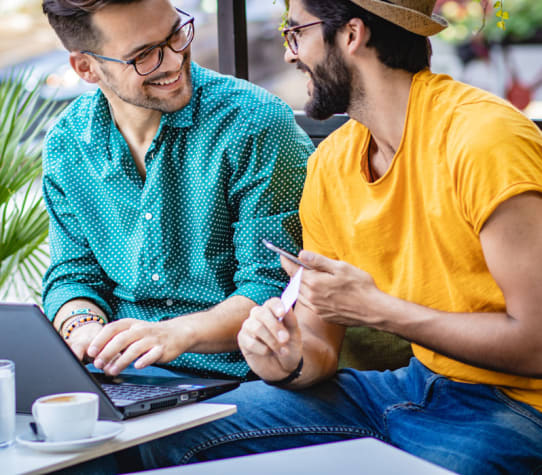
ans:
(496, 341)
(320, 361)
(214, 330)
(321, 344)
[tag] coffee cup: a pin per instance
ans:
(66, 416)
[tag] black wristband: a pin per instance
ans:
(288, 379)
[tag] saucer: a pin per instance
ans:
(104, 430)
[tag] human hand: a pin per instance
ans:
(81, 337)
(128, 340)
(272, 348)
(336, 291)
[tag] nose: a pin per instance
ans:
(172, 61)
(289, 57)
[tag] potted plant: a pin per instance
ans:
(23, 218)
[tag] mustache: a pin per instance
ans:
(303, 68)
(165, 75)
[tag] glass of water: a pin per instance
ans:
(7, 402)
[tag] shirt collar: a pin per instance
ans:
(99, 123)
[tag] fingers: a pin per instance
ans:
(79, 350)
(318, 262)
(152, 356)
(144, 351)
(262, 333)
(81, 337)
(122, 338)
(106, 334)
(289, 266)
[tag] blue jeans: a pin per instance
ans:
(467, 428)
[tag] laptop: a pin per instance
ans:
(45, 364)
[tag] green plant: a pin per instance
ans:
(501, 21)
(23, 218)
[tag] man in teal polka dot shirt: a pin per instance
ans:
(160, 187)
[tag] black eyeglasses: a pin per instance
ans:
(291, 34)
(150, 59)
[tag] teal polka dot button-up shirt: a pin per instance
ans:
(221, 174)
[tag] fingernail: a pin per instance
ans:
(98, 363)
(92, 350)
(282, 336)
(113, 370)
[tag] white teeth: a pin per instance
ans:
(165, 83)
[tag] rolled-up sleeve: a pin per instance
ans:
(265, 190)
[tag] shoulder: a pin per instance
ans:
(77, 114)
(469, 124)
(470, 111)
(242, 100)
(69, 128)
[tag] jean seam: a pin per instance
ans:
(277, 432)
(412, 406)
(516, 407)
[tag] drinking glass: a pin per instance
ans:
(7, 403)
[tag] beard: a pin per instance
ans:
(332, 87)
(148, 101)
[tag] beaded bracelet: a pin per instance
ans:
(74, 313)
(88, 318)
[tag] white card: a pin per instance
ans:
(289, 296)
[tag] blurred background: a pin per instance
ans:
(473, 49)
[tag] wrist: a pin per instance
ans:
(76, 313)
(183, 334)
(288, 379)
(79, 320)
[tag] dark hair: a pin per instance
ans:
(396, 47)
(72, 21)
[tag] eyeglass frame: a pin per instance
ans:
(161, 45)
(295, 29)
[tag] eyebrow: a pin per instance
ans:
(292, 23)
(150, 45)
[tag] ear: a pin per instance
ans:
(355, 35)
(84, 66)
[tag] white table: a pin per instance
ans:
(360, 456)
(18, 459)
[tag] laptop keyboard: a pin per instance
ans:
(137, 392)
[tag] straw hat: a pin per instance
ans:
(413, 15)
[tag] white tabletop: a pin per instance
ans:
(361, 456)
(23, 460)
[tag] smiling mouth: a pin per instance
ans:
(166, 82)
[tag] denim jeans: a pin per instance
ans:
(467, 428)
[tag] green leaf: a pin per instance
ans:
(23, 219)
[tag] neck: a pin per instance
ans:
(137, 124)
(382, 108)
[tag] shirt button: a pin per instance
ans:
(169, 302)
(155, 277)
(148, 216)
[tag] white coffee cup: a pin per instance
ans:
(66, 416)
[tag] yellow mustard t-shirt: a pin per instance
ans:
(416, 229)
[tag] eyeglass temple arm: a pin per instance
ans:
(107, 58)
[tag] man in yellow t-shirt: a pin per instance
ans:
(422, 216)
